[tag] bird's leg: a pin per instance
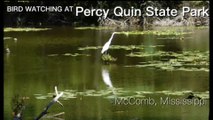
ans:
(105, 53)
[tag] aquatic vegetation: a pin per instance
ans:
(68, 54)
(90, 48)
(202, 27)
(127, 47)
(121, 93)
(75, 54)
(155, 32)
(178, 28)
(174, 38)
(185, 61)
(146, 54)
(163, 31)
(41, 97)
(108, 58)
(93, 28)
(9, 29)
(52, 55)
(8, 38)
(117, 47)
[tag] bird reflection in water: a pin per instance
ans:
(107, 80)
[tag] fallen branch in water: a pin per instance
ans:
(55, 99)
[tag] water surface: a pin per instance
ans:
(40, 60)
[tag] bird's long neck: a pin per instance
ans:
(111, 37)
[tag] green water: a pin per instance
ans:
(40, 60)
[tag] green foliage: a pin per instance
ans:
(108, 58)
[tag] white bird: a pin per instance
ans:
(107, 44)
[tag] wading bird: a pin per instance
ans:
(107, 44)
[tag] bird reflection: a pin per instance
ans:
(107, 80)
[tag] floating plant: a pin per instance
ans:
(121, 93)
(52, 55)
(93, 28)
(108, 58)
(9, 29)
(146, 54)
(68, 54)
(185, 61)
(75, 54)
(124, 47)
(90, 48)
(155, 32)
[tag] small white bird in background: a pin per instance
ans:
(107, 44)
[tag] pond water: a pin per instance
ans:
(40, 60)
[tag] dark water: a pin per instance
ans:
(30, 70)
